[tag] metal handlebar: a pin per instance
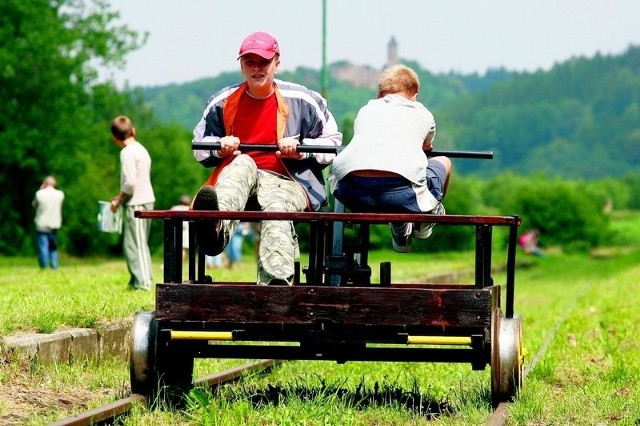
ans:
(212, 146)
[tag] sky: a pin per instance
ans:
(192, 39)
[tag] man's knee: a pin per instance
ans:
(244, 160)
(241, 166)
(277, 194)
(446, 163)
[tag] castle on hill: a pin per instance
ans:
(364, 75)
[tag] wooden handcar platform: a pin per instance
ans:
(334, 312)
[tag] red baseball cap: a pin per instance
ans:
(260, 43)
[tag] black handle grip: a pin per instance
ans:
(212, 146)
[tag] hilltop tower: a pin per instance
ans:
(392, 52)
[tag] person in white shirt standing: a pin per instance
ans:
(48, 204)
(136, 193)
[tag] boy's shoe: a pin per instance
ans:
(400, 239)
(278, 281)
(422, 231)
(209, 235)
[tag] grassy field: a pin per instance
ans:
(580, 330)
(91, 291)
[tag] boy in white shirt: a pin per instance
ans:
(136, 193)
(384, 168)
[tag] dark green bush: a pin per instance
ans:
(568, 214)
(632, 182)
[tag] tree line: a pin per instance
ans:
(576, 122)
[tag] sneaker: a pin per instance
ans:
(209, 235)
(422, 231)
(401, 237)
(278, 281)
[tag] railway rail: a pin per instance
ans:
(108, 413)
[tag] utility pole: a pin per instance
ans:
(324, 84)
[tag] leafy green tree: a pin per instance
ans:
(49, 104)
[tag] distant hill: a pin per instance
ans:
(579, 119)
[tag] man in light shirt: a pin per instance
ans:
(48, 204)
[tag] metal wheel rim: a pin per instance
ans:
(495, 356)
(508, 374)
(140, 346)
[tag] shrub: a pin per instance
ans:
(632, 181)
(569, 214)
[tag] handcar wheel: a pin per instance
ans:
(141, 365)
(507, 358)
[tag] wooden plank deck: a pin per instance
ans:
(414, 306)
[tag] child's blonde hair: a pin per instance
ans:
(398, 79)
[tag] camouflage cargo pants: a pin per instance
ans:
(241, 181)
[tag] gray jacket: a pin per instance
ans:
(308, 119)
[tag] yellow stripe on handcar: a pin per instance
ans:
(439, 340)
(201, 335)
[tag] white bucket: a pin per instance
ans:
(107, 220)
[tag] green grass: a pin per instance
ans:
(588, 374)
(591, 369)
(625, 227)
(81, 293)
